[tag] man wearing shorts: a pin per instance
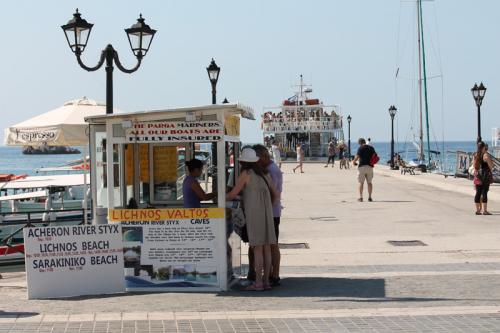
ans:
(365, 169)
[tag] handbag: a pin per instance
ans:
(374, 159)
(239, 223)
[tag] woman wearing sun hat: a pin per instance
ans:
(257, 193)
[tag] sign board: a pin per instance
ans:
(232, 125)
(175, 131)
(168, 249)
(74, 260)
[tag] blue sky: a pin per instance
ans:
(348, 51)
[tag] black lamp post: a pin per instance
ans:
(392, 113)
(349, 118)
(213, 74)
(478, 93)
(140, 36)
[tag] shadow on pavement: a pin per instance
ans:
(14, 314)
(318, 287)
(392, 299)
(393, 201)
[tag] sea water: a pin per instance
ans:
(12, 160)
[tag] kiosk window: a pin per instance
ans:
(168, 173)
(101, 173)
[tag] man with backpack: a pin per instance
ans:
(367, 158)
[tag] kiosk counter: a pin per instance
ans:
(137, 173)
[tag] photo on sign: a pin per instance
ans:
(145, 272)
(206, 274)
(163, 273)
(190, 272)
(132, 234)
(132, 256)
(179, 273)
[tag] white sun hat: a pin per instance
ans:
(248, 155)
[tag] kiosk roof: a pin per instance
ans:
(236, 108)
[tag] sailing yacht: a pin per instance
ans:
(425, 157)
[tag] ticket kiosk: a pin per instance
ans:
(137, 173)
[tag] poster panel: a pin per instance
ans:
(232, 126)
(165, 165)
(175, 131)
(166, 249)
(63, 261)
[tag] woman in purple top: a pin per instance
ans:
(191, 189)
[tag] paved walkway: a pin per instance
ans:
(349, 279)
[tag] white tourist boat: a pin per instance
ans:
(302, 119)
(38, 200)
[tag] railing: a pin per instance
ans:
(281, 125)
(31, 220)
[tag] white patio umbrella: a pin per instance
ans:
(64, 126)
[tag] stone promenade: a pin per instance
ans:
(440, 273)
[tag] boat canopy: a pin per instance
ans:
(27, 195)
(45, 182)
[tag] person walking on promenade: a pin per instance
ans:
(483, 177)
(300, 157)
(344, 163)
(258, 193)
(331, 154)
(365, 169)
(276, 151)
(276, 175)
(191, 189)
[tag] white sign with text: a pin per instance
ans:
(63, 261)
(175, 131)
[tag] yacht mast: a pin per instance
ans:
(421, 131)
(425, 84)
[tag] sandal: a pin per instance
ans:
(487, 213)
(360, 199)
(274, 281)
(479, 213)
(370, 199)
(255, 287)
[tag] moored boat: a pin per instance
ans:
(302, 119)
(37, 201)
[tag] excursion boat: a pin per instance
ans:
(37, 193)
(38, 200)
(49, 150)
(302, 119)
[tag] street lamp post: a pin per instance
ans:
(349, 118)
(213, 74)
(140, 36)
(392, 113)
(478, 93)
